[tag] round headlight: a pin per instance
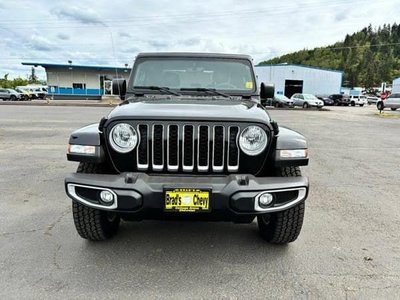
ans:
(253, 140)
(123, 138)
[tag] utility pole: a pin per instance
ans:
(32, 77)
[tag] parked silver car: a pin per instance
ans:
(281, 101)
(9, 94)
(392, 102)
(372, 99)
(306, 101)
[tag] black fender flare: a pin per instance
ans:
(87, 136)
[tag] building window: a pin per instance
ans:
(53, 89)
(79, 85)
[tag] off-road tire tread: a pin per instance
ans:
(284, 227)
(89, 168)
(289, 172)
(90, 223)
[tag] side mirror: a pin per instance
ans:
(119, 88)
(267, 90)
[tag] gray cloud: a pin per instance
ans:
(190, 42)
(81, 14)
(80, 30)
(40, 43)
(340, 17)
(158, 44)
(124, 34)
(131, 50)
(63, 36)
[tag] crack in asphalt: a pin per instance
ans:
(55, 263)
(3, 234)
(351, 291)
(349, 274)
(47, 231)
(51, 226)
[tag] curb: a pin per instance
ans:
(297, 108)
(100, 104)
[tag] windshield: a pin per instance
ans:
(233, 75)
(309, 97)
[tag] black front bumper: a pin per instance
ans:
(144, 195)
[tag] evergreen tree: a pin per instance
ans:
(33, 78)
(368, 57)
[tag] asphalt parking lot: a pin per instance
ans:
(349, 246)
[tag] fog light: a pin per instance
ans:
(107, 196)
(265, 199)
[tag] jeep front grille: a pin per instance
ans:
(187, 148)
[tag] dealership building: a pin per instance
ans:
(396, 85)
(289, 79)
(68, 81)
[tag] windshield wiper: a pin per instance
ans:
(158, 88)
(206, 90)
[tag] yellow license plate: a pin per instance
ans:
(187, 200)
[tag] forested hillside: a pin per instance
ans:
(368, 57)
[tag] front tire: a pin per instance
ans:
(393, 108)
(285, 226)
(90, 223)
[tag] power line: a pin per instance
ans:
(130, 58)
(355, 47)
(74, 46)
(192, 17)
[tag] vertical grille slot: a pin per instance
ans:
(143, 148)
(158, 147)
(173, 148)
(233, 151)
(218, 148)
(188, 148)
(177, 147)
(203, 148)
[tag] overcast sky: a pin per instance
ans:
(113, 32)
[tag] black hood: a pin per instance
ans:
(192, 109)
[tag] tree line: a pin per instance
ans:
(18, 81)
(367, 57)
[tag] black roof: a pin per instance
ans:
(194, 54)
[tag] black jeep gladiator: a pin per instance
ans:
(190, 141)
